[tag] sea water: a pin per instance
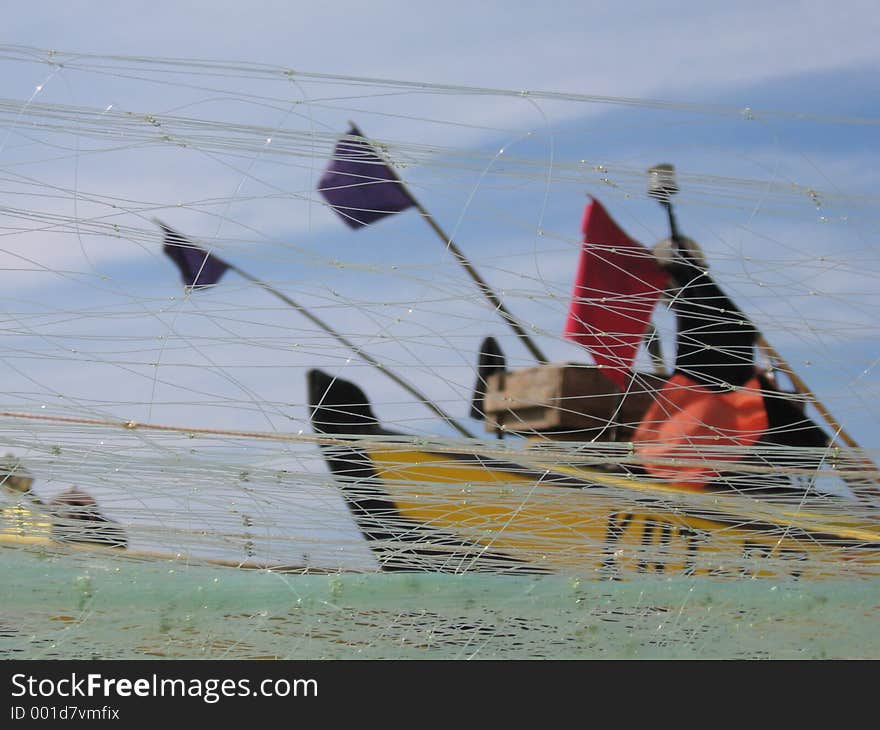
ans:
(106, 607)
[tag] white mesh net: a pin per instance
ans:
(309, 413)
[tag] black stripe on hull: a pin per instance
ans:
(399, 543)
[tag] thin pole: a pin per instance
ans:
(673, 225)
(655, 350)
(487, 291)
(409, 388)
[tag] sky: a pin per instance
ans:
(624, 49)
(761, 103)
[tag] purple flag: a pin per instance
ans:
(359, 185)
(198, 268)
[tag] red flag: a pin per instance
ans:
(617, 285)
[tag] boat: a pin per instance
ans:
(464, 506)
(26, 529)
(71, 524)
(176, 262)
(562, 493)
(699, 493)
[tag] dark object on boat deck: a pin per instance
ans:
(76, 518)
(662, 186)
(491, 361)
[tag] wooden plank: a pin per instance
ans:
(567, 401)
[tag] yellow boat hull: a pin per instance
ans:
(611, 527)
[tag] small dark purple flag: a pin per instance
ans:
(198, 268)
(359, 185)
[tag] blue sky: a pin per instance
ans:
(102, 330)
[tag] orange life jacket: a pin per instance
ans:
(686, 417)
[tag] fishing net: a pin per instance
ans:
(286, 458)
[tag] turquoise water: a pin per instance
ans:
(106, 607)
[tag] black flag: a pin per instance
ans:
(491, 361)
